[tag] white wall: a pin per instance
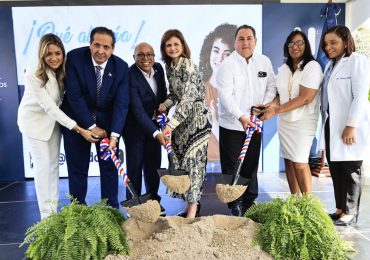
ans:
(357, 12)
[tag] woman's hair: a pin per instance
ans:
(168, 35)
(45, 41)
(226, 33)
(345, 34)
(307, 54)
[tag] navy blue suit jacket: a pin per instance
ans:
(80, 100)
(143, 101)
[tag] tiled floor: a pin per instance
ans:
(18, 208)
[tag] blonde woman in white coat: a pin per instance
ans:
(346, 120)
(39, 117)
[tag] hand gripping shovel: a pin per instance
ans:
(140, 207)
(177, 181)
(228, 193)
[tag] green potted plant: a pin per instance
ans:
(297, 228)
(78, 232)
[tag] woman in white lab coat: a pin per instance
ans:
(39, 117)
(346, 120)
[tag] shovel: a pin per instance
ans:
(228, 193)
(176, 180)
(148, 213)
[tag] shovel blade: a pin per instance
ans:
(229, 179)
(136, 201)
(164, 171)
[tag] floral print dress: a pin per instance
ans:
(190, 124)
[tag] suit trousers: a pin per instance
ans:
(45, 158)
(231, 143)
(77, 151)
(348, 180)
(143, 156)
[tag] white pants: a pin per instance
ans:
(45, 157)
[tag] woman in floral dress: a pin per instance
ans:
(190, 125)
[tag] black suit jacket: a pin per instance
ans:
(143, 101)
(80, 100)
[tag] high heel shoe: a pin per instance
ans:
(340, 222)
(184, 213)
(197, 213)
(334, 216)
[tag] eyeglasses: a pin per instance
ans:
(297, 43)
(143, 55)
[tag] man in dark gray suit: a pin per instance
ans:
(142, 137)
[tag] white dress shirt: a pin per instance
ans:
(153, 85)
(241, 85)
(103, 65)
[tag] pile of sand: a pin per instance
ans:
(146, 212)
(213, 237)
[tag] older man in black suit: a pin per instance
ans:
(142, 136)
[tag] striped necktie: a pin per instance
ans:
(98, 80)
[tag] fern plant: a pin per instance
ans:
(297, 228)
(78, 232)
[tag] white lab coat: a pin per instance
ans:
(349, 106)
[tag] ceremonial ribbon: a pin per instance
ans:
(254, 119)
(106, 154)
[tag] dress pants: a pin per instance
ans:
(77, 151)
(143, 155)
(348, 180)
(231, 143)
(45, 158)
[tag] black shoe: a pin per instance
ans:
(247, 206)
(349, 222)
(197, 214)
(163, 212)
(184, 213)
(334, 216)
(236, 209)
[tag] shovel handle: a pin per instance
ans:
(243, 152)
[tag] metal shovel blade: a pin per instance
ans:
(136, 201)
(177, 181)
(164, 171)
(229, 179)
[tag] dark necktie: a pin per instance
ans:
(98, 80)
(98, 86)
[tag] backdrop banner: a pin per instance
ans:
(132, 25)
(11, 167)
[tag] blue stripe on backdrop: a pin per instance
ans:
(11, 158)
(330, 11)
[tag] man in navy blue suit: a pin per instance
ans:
(142, 138)
(97, 98)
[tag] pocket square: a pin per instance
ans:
(262, 74)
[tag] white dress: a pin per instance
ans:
(297, 128)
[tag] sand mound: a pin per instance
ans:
(228, 193)
(177, 184)
(214, 237)
(146, 212)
